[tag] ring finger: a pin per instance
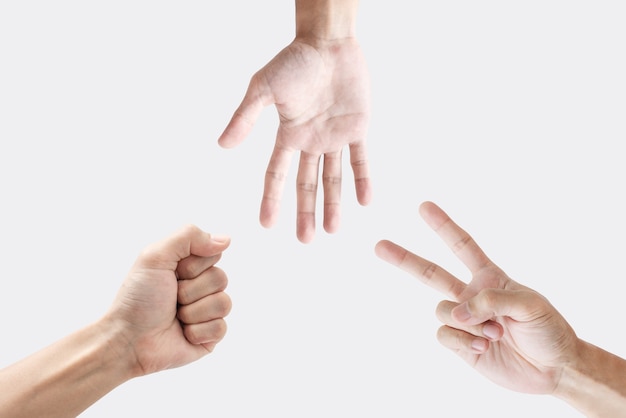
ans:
(490, 330)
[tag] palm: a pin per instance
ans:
(509, 364)
(520, 360)
(322, 97)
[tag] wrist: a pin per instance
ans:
(118, 351)
(594, 382)
(326, 20)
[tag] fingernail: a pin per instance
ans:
(220, 239)
(491, 331)
(479, 345)
(461, 313)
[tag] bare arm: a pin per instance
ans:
(168, 312)
(326, 19)
(595, 383)
(65, 378)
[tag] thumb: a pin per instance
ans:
(244, 117)
(520, 305)
(189, 240)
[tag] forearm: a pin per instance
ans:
(67, 377)
(326, 19)
(595, 383)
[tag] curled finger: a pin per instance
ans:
(215, 306)
(209, 333)
(461, 342)
(194, 265)
(210, 281)
(488, 329)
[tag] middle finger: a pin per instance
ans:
(332, 190)
(306, 191)
(455, 237)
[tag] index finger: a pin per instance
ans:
(275, 176)
(428, 272)
(192, 266)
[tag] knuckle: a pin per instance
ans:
(220, 278)
(219, 329)
(184, 270)
(183, 314)
(184, 297)
(429, 271)
(223, 304)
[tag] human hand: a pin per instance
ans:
(506, 331)
(172, 304)
(321, 93)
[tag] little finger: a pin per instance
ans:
(206, 332)
(460, 341)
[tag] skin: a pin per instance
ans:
(510, 333)
(320, 87)
(168, 313)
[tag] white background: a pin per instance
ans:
(510, 116)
